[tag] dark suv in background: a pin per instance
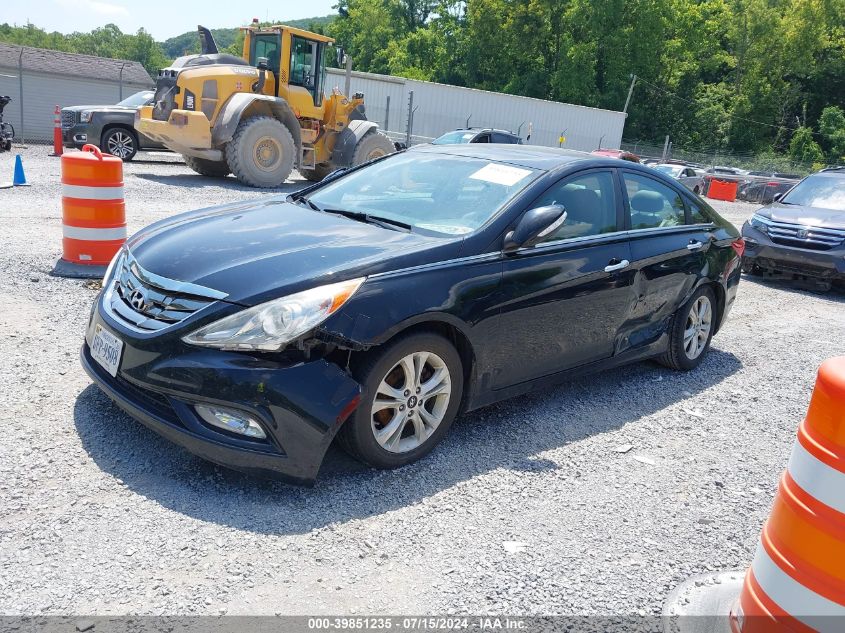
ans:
(802, 233)
(109, 127)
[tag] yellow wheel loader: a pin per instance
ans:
(261, 115)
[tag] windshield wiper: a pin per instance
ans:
(360, 216)
(301, 199)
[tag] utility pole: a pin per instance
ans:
(665, 149)
(347, 87)
(410, 124)
(630, 92)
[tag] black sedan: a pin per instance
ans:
(379, 304)
(802, 233)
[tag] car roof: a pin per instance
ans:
(533, 156)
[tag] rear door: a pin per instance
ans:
(565, 299)
(669, 244)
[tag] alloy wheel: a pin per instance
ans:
(411, 402)
(121, 144)
(698, 326)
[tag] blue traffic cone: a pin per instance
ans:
(19, 179)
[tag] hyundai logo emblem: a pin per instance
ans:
(138, 300)
(802, 233)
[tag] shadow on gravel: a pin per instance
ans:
(835, 294)
(507, 436)
(195, 181)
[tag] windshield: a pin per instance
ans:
(445, 194)
(452, 138)
(823, 191)
(669, 169)
(137, 100)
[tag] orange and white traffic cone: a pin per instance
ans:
(797, 578)
(58, 145)
(93, 212)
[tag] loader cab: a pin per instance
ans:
(296, 59)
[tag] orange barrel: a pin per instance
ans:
(722, 190)
(93, 210)
(797, 579)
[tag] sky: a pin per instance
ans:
(161, 18)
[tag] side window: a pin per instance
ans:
(590, 203)
(502, 138)
(303, 63)
(482, 138)
(697, 214)
(652, 204)
(266, 46)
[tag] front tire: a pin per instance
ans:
(120, 142)
(372, 145)
(691, 331)
(412, 390)
(261, 152)
(205, 167)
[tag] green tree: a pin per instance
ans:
(832, 129)
(803, 148)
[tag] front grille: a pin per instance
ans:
(147, 302)
(68, 119)
(802, 236)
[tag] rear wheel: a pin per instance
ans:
(120, 142)
(205, 167)
(412, 392)
(372, 145)
(691, 331)
(317, 174)
(261, 153)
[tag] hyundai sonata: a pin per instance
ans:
(378, 305)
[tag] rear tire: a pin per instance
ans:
(205, 167)
(317, 174)
(691, 331)
(262, 152)
(372, 145)
(423, 419)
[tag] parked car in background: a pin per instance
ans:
(616, 153)
(687, 176)
(725, 171)
(477, 135)
(109, 127)
(802, 233)
(388, 299)
(764, 186)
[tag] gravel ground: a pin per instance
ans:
(527, 508)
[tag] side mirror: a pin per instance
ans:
(777, 197)
(533, 226)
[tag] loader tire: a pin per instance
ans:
(317, 174)
(372, 145)
(205, 167)
(262, 152)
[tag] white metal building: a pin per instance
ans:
(38, 79)
(440, 108)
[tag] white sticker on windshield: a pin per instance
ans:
(500, 174)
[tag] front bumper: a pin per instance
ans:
(803, 262)
(79, 135)
(300, 405)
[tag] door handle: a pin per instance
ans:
(618, 266)
(694, 245)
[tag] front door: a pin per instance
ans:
(565, 299)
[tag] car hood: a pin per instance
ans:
(257, 251)
(808, 216)
(100, 108)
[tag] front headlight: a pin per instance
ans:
(759, 222)
(85, 116)
(118, 257)
(272, 325)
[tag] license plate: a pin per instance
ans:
(106, 349)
